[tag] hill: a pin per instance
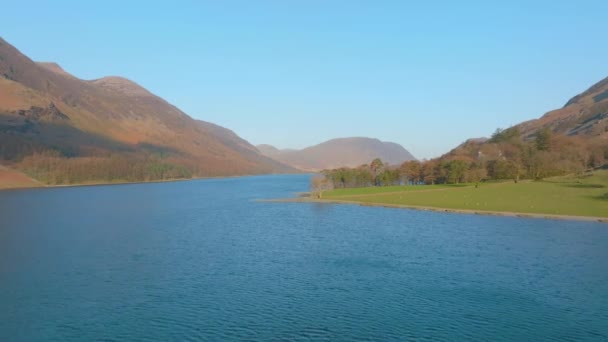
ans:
(585, 115)
(567, 140)
(61, 129)
(341, 152)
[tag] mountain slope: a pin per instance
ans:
(569, 139)
(341, 152)
(584, 115)
(43, 109)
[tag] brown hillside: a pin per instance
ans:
(43, 108)
(585, 115)
(578, 131)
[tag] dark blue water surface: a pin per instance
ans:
(202, 260)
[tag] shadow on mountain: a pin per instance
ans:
(21, 136)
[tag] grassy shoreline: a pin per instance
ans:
(573, 198)
(445, 210)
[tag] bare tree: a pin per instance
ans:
(376, 168)
(411, 170)
(318, 184)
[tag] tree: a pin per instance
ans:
(542, 164)
(411, 170)
(456, 170)
(390, 176)
(513, 154)
(476, 174)
(376, 167)
(429, 171)
(508, 134)
(318, 184)
(543, 139)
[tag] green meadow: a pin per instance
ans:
(572, 196)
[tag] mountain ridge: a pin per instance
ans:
(584, 115)
(339, 152)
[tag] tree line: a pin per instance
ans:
(52, 168)
(506, 155)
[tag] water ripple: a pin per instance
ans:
(200, 261)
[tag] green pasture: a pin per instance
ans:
(576, 196)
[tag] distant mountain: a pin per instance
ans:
(271, 151)
(45, 111)
(342, 152)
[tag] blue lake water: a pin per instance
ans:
(202, 260)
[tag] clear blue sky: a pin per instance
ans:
(427, 75)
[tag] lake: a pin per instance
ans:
(203, 260)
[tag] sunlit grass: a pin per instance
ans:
(387, 189)
(577, 196)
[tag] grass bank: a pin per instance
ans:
(585, 196)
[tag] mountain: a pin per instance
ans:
(566, 140)
(585, 115)
(341, 152)
(46, 112)
(271, 151)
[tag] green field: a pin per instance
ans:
(573, 196)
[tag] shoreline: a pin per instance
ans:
(303, 198)
(445, 210)
(75, 185)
